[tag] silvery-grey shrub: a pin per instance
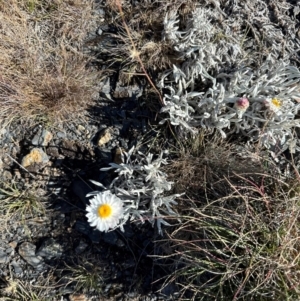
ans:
(141, 185)
(217, 88)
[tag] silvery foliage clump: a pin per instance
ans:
(272, 25)
(141, 185)
(216, 104)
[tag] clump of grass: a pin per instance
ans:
(43, 73)
(86, 275)
(240, 232)
(199, 163)
(139, 40)
(12, 289)
(19, 290)
(21, 203)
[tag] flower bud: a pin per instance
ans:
(241, 105)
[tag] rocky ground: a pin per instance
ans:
(49, 243)
(48, 251)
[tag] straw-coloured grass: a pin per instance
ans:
(240, 232)
(43, 70)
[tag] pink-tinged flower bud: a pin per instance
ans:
(242, 104)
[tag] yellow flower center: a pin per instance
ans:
(276, 102)
(104, 211)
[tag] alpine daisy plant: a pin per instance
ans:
(137, 193)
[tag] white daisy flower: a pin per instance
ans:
(105, 211)
(273, 104)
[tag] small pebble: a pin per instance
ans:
(27, 252)
(99, 32)
(36, 155)
(17, 268)
(3, 256)
(61, 135)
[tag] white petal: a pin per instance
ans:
(93, 223)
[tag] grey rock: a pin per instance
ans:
(27, 252)
(135, 91)
(66, 291)
(110, 238)
(105, 27)
(3, 132)
(3, 256)
(99, 32)
(121, 92)
(101, 12)
(17, 268)
(61, 135)
(20, 231)
(10, 251)
(132, 294)
(123, 143)
(113, 239)
(114, 143)
(81, 247)
(106, 155)
(42, 138)
(95, 236)
(101, 127)
(58, 220)
(50, 249)
(107, 287)
(116, 131)
(36, 139)
(105, 88)
(83, 227)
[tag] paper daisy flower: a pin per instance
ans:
(104, 211)
(274, 104)
(241, 106)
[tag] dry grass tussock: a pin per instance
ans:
(22, 206)
(13, 289)
(43, 70)
(240, 233)
(202, 162)
(143, 41)
(86, 273)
